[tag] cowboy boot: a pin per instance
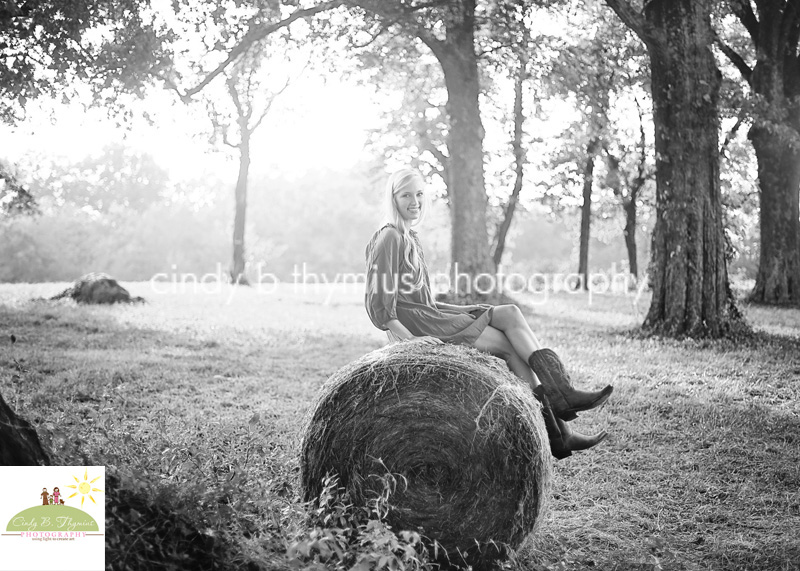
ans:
(563, 440)
(566, 400)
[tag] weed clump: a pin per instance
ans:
(346, 537)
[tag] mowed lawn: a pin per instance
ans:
(195, 401)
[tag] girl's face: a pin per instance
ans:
(408, 200)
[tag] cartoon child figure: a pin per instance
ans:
(50, 500)
(44, 496)
(56, 494)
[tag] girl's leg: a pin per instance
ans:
(566, 399)
(494, 341)
(509, 320)
(563, 440)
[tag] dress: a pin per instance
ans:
(389, 294)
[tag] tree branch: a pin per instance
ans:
(268, 106)
(732, 133)
(253, 35)
(403, 15)
(734, 58)
(744, 11)
(227, 141)
(383, 28)
(233, 91)
(641, 171)
(634, 20)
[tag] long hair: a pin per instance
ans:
(398, 181)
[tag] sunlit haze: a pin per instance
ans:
(317, 124)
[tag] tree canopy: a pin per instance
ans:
(50, 47)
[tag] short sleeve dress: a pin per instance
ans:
(390, 295)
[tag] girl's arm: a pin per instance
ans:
(399, 329)
(450, 306)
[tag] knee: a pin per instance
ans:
(512, 313)
(495, 343)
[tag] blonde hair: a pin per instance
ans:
(398, 181)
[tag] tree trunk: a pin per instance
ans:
(467, 193)
(778, 278)
(519, 166)
(586, 213)
(19, 443)
(237, 271)
(614, 180)
(629, 206)
(775, 136)
(691, 294)
(465, 169)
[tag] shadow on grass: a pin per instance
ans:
(205, 422)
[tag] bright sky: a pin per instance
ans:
(315, 124)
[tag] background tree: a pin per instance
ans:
(691, 293)
(599, 68)
(14, 197)
(448, 29)
(241, 36)
(413, 132)
(509, 48)
(628, 174)
(251, 98)
(116, 178)
(773, 28)
(459, 34)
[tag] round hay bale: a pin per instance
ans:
(465, 434)
(97, 288)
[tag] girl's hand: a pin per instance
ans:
(427, 340)
(471, 308)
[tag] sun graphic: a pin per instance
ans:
(85, 487)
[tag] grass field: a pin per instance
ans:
(194, 402)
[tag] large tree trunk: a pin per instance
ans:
(691, 295)
(237, 270)
(465, 169)
(467, 194)
(778, 278)
(19, 443)
(586, 213)
(775, 136)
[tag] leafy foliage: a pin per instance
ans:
(14, 197)
(116, 179)
(48, 45)
(344, 537)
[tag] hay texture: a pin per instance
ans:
(97, 288)
(465, 434)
